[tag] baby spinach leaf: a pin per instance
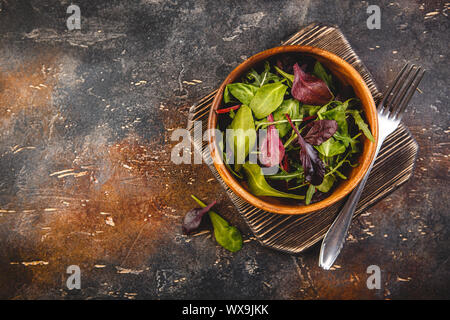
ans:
(241, 91)
(267, 99)
(361, 124)
(291, 107)
(242, 138)
(310, 193)
(259, 186)
(331, 148)
(227, 236)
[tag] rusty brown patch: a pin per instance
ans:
(28, 86)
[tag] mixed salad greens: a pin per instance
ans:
(309, 127)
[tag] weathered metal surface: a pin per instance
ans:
(86, 179)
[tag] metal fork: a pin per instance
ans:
(390, 112)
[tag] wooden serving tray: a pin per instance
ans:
(393, 166)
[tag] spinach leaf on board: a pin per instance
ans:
(241, 91)
(267, 99)
(291, 107)
(242, 136)
(259, 186)
(227, 236)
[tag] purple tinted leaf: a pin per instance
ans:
(313, 166)
(320, 131)
(272, 149)
(193, 218)
(309, 89)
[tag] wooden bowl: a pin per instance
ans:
(347, 75)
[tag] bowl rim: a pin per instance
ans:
(369, 148)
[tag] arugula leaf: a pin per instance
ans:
(267, 99)
(361, 124)
(337, 114)
(259, 186)
(287, 76)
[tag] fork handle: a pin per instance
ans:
(335, 237)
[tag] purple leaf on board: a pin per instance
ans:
(193, 218)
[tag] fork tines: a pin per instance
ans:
(399, 94)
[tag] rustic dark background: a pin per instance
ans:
(86, 118)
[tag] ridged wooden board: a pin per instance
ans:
(393, 166)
